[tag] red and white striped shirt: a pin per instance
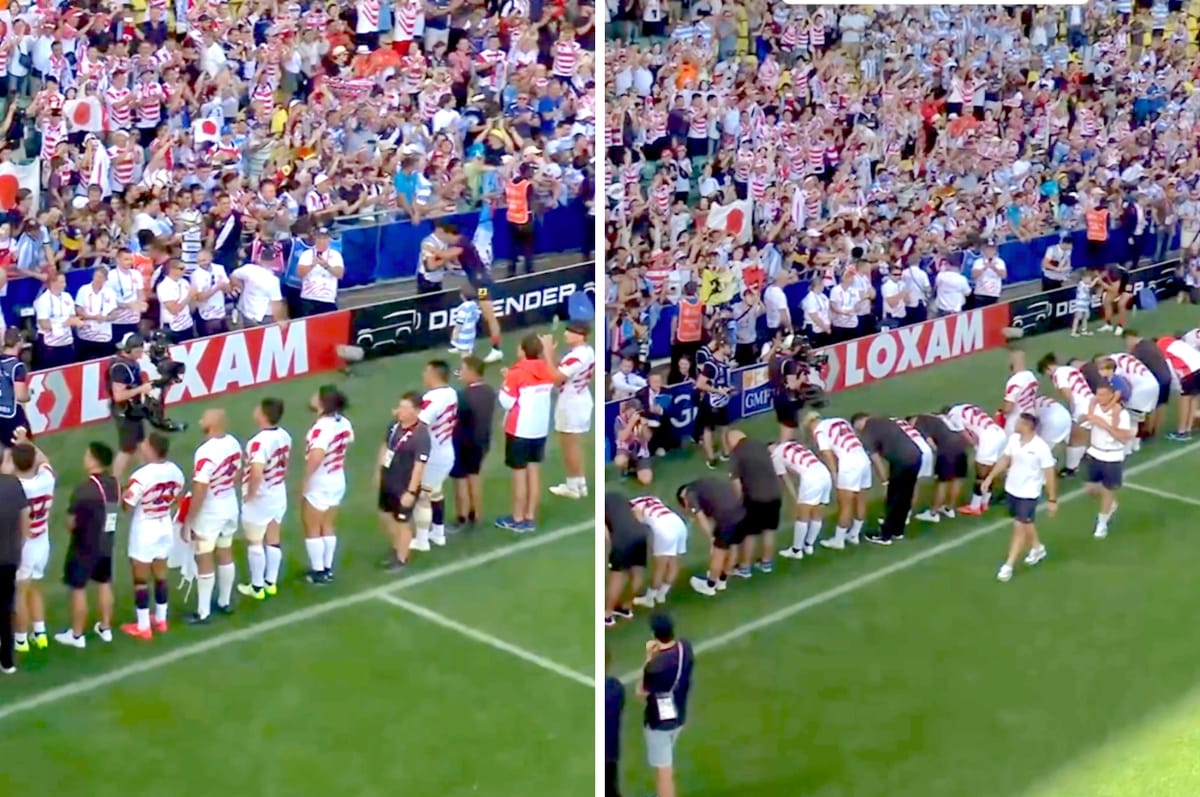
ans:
(698, 126)
(152, 491)
(578, 367)
(120, 116)
(566, 58)
(368, 16)
(218, 464)
(39, 494)
(439, 411)
(407, 15)
(150, 98)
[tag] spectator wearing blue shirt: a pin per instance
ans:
(405, 183)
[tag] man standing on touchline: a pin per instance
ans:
(666, 682)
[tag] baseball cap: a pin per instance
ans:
(579, 327)
(130, 341)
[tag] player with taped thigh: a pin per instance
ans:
(212, 517)
(439, 413)
(264, 499)
(1073, 386)
(843, 453)
(38, 481)
(810, 494)
(151, 496)
(324, 484)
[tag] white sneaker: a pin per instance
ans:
(648, 600)
(1035, 555)
(419, 545)
(565, 491)
(948, 513)
(834, 543)
(1118, 332)
(792, 553)
(852, 539)
(1101, 531)
(1105, 328)
(700, 584)
(722, 585)
(8, 670)
(438, 539)
(1074, 334)
(1005, 574)
(808, 550)
(105, 634)
(928, 516)
(494, 356)
(69, 639)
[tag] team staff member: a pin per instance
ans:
(14, 530)
(721, 515)
(897, 460)
(319, 270)
(127, 386)
(786, 375)
(402, 459)
(472, 439)
(14, 389)
(92, 517)
(1148, 353)
(1111, 430)
(614, 707)
(714, 387)
(518, 196)
(666, 684)
(950, 466)
(628, 540)
(753, 475)
(526, 398)
(1029, 462)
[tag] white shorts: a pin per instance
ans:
(854, 473)
(990, 447)
(1054, 425)
(1144, 399)
(927, 462)
(435, 475)
(264, 512)
(816, 486)
(212, 527)
(35, 556)
(573, 415)
(670, 536)
(324, 498)
(1079, 410)
(151, 539)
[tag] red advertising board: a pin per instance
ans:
(74, 395)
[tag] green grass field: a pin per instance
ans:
(469, 675)
(910, 672)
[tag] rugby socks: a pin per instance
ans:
(20, 638)
(855, 529)
(39, 627)
(976, 496)
(330, 550)
(256, 558)
(141, 600)
(204, 592)
(839, 536)
(226, 575)
(495, 339)
(438, 528)
(814, 531)
(1075, 456)
(160, 601)
(578, 482)
(799, 530)
(660, 594)
(315, 546)
(274, 560)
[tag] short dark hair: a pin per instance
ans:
(101, 452)
(272, 409)
(441, 368)
(858, 416)
(412, 397)
(476, 365)
(531, 346)
(23, 456)
(662, 628)
(330, 399)
(159, 443)
(1046, 361)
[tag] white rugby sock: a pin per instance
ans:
(315, 546)
(226, 575)
(256, 557)
(840, 534)
(160, 612)
(330, 549)
(1075, 456)
(274, 560)
(143, 619)
(799, 529)
(39, 627)
(814, 531)
(856, 528)
(204, 591)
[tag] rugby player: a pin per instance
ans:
(1073, 386)
(212, 517)
(1149, 355)
(324, 484)
(668, 535)
(574, 409)
(1110, 429)
(264, 499)
(1142, 401)
(949, 466)
(1029, 468)
(721, 516)
(1019, 392)
(712, 382)
(1185, 363)
(38, 480)
(841, 450)
(1053, 421)
(810, 494)
(439, 412)
(989, 440)
(627, 539)
(153, 491)
(1191, 338)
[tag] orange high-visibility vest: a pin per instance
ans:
(1097, 225)
(691, 320)
(516, 196)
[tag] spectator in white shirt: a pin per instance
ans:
(843, 307)
(129, 287)
(175, 303)
(988, 272)
(625, 381)
(1056, 264)
(951, 290)
(96, 306)
(815, 307)
(260, 300)
(54, 311)
(319, 269)
(917, 293)
(211, 285)
(779, 316)
(895, 306)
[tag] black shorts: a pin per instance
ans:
(8, 426)
(1107, 474)
(80, 568)
(728, 533)
(950, 465)
(1022, 510)
(762, 516)
(468, 461)
(485, 288)
(708, 417)
(520, 452)
(787, 410)
(129, 434)
(1164, 392)
(1190, 384)
(629, 556)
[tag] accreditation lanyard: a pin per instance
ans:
(667, 711)
(110, 510)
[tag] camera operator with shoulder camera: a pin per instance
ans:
(794, 371)
(128, 388)
(14, 388)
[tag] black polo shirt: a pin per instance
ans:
(884, 437)
(93, 510)
(750, 463)
(12, 503)
(476, 408)
(1153, 359)
(717, 500)
(625, 530)
(614, 707)
(1091, 375)
(669, 672)
(405, 448)
(948, 442)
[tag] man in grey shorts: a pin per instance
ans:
(666, 682)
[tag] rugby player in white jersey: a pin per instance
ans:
(989, 440)
(1053, 421)
(841, 450)
(575, 407)
(1019, 392)
(810, 494)
(264, 499)
(439, 412)
(1143, 397)
(668, 533)
(38, 480)
(153, 491)
(1185, 366)
(1191, 338)
(212, 517)
(1073, 386)
(324, 484)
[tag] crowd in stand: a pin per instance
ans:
(192, 131)
(877, 155)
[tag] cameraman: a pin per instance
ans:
(633, 430)
(14, 388)
(785, 373)
(128, 387)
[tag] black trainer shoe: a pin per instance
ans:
(878, 539)
(195, 619)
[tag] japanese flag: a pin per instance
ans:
(733, 219)
(207, 131)
(14, 177)
(85, 114)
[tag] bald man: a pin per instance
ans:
(753, 475)
(212, 517)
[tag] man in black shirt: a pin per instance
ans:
(715, 389)
(14, 530)
(719, 510)
(627, 543)
(949, 465)
(92, 517)
(1146, 351)
(754, 477)
(614, 707)
(666, 682)
(402, 459)
(785, 373)
(128, 388)
(472, 439)
(897, 460)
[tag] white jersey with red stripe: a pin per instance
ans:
(332, 435)
(837, 435)
(793, 457)
(1183, 358)
(152, 491)
(218, 464)
(1073, 387)
(969, 418)
(915, 435)
(271, 449)
(1192, 338)
(439, 411)
(578, 366)
(1020, 391)
(652, 509)
(39, 493)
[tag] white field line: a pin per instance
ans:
(219, 640)
(1168, 495)
(487, 639)
(899, 566)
